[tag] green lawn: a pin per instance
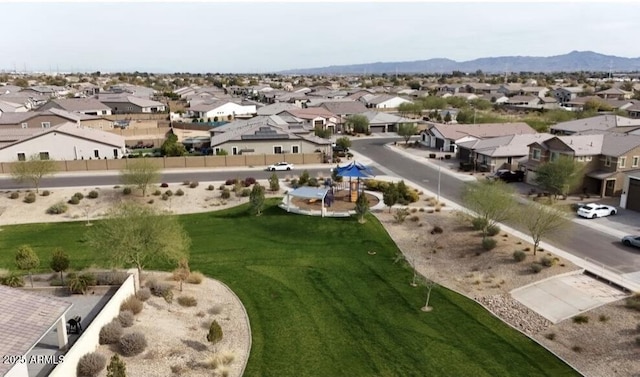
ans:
(319, 305)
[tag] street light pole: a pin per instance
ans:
(439, 170)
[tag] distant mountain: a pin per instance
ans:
(571, 62)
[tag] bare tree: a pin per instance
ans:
(141, 172)
(541, 221)
(429, 285)
(32, 170)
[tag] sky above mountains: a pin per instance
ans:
(266, 37)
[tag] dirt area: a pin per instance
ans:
(603, 347)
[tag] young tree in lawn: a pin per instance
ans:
(561, 176)
(141, 173)
(59, 262)
(362, 207)
(390, 195)
(274, 182)
(492, 201)
(183, 271)
(256, 199)
(429, 285)
(32, 170)
(134, 234)
(27, 260)
(541, 221)
(406, 130)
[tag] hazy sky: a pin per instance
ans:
(264, 37)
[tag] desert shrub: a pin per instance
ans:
(633, 302)
(249, 181)
(143, 294)
(126, 318)
(78, 283)
(150, 201)
(45, 193)
(79, 195)
(580, 319)
(74, 200)
(113, 277)
(164, 197)
(225, 194)
(245, 192)
(93, 194)
(157, 193)
(179, 192)
(132, 344)
(13, 279)
(132, 304)
(519, 255)
(169, 193)
(576, 349)
(414, 210)
(536, 267)
(164, 185)
(638, 341)
(195, 277)
(603, 318)
(14, 195)
(187, 301)
(489, 243)
(414, 218)
(90, 365)
(400, 215)
(478, 223)
(222, 187)
(231, 181)
(110, 333)
(437, 230)
(30, 198)
(295, 184)
(126, 191)
(210, 188)
(547, 261)
(161, 290)
(186, 183)
(493, 230)
(193, 184)
(57, 209)
(313, 182)
(215, 332)
(550, 336)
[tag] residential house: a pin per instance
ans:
(633, 111)
(614, 93)
(451, 88)
(265, 135)
(481, 88)
(566, 94)
(12, 107)
(597, 123)
(276, 108)
(531, 102)
(66, 141)
(9, 89)
(385, 101)
(497, 98)
(445, 137)
(344, 109)
(48, 91)
(501, 152)
(467, 96)
(380, 122)
(223, 110)
(510, 89)
(129, 104)
(31, 120)
(607, 157)
(87, 106)
(314, 117)
(537, 91)
(133, 90)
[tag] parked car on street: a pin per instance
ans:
(593, 210)
(508, 176)
(280, 166)
(631, 241)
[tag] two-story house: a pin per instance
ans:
(607, 158)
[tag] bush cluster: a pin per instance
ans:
(132, 304)
(215, 332)
(536, 267)
(90, 365)
(225, 194)
(633, 302)
(187, 301)
(113, 277)
(547, 261)
(14, 195)
(231, 181)
(248, 181)
(126, 191)
(132, 344)
(519, 255)
(478, 223)
(161, 290)
(143, 294)
(57, 209)
(210, 188)
(79, 195)
(13, 279)
(30, 198)
(193, 184)
(179, 192)
(45, 193)
(78, 283)
(168, 193)
(156, 192)
(493, 230)
(245, 192)
(93, 194)
(110, 333)
(126, 318)
(195, 277)
(489, 243)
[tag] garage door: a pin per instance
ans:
(377, 129)
(531, 177)
(633, 195)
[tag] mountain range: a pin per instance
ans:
(574, 61)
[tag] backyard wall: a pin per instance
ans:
(88, 341)
(184, 162)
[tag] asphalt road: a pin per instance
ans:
(578, 240)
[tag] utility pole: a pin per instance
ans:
(439, 171)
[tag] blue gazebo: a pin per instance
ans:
(354, 170)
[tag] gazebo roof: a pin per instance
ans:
(355, 170)
(309, 192)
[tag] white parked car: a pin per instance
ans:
(593, 210)
(280, 166)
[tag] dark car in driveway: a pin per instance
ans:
(508, 176)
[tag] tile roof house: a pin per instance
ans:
(89, 106)
(607, 158)
(380, 122)
(501, 152)
(446, 136)
(265, 135)
(25, 318)
(600, 122)
(66, 141)
(384, 101)
(222, 110)
(129, 104)
(276, 108)
(11, 107)
(614, 93)
(566, 94)
(313, 117)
